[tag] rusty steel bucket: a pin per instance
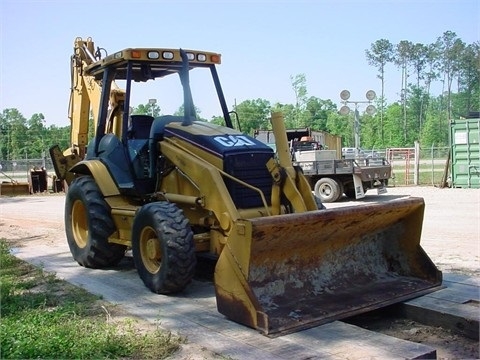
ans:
(295, 271)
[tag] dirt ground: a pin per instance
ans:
(449, 345)
(450, 236)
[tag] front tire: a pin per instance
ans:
(163, 248)
(88, 225)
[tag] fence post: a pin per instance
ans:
(433, 164)
(416, 171)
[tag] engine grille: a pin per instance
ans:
(250, 168)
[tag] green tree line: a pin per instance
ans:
(418, 115)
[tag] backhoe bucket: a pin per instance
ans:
(287, 273)
(14, 188)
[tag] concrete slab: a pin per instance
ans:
(193, 314)
(455, 307)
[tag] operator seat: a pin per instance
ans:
(140, 126)
(137, 138)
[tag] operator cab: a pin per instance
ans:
(128, 144)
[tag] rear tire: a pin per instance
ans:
(88, 225)
(163, 248)
(328, 190)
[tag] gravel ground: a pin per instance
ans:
(451, 225)
(450, 236)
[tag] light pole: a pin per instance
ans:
(152, 103)
(345, 110)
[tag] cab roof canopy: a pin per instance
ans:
(147, 64)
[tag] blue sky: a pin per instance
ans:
(262, 43)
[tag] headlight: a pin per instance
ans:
(167, 55)
(153, 55)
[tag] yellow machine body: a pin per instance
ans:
(283, 264)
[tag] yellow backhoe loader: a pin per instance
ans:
(173, 188)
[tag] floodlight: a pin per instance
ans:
(345, 95)
(344, 110)
(370, 95)
(370, 110)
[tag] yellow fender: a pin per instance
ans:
(99, 171)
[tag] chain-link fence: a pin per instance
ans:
(418, 165)
(432, 166)
(38, 173)
(24, 165)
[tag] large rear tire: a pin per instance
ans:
(88, 225)
(163, 248)
(328, 190)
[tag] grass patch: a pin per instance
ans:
(43, 317)
(428, 174)
(425, 178)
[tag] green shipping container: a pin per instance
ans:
(465, 170)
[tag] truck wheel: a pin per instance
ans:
(328, 190)
(88, 225)
(163, 248)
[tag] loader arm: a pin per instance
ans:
(288, 180)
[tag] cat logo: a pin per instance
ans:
(234, 140)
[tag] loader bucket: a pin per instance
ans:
(296, 271)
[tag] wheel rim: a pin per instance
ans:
(325, 190)
(79, 224)
(150, 250)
